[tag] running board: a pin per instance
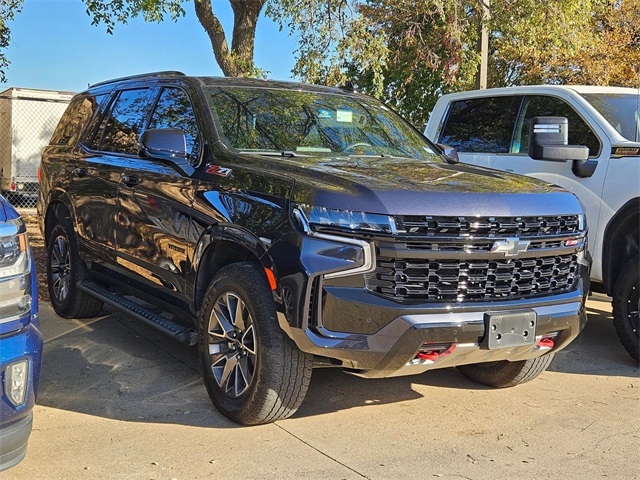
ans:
(184, 334)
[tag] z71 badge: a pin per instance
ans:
(218, 170)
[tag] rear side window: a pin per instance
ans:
(75, 119)
(482, 125)
(124, 124)
(174, 110)
(542, 106)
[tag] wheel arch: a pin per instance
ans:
(222, 246)
(621, 242)
(59, 207)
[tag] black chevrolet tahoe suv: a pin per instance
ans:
(280, 226)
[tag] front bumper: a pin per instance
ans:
(459, 333)
(13, 441)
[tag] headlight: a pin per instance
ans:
(328, 218)
(14, 249)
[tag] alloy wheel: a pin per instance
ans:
(232, 345)
(60, 268)
(634, 308)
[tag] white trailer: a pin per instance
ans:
(27, 120)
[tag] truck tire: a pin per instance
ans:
(254, 374)
(506, 374)
(626, 307)
(64, 270)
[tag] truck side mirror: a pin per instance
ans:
(548, 140)
(163, 144)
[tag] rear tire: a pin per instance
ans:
(64, 270)
(254, 374)
(626, 307)
(506, 374)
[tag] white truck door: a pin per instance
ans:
(582, 131)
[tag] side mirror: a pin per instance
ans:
(548, 140)
(163, 144)
(450, 153)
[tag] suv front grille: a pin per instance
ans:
(454, 280)
(450, 259)
(487, 226)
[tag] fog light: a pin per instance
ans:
(15, 382)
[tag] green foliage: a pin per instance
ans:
(409, 52)
(112, 12)
(8, 9)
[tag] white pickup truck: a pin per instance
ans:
(491, 128)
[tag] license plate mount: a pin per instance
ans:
(510, 329)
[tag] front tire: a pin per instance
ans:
(506, 374)
(252, 371)
(626, 307)
(64, 270)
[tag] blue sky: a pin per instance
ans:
(55, 47)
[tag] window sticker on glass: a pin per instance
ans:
(344, 116)
(324, 114)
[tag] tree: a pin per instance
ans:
(8, 9)
(236, 61)
(409, 53)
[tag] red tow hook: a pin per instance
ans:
(430, 355)
(546, 343)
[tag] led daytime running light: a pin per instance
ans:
(347, 219)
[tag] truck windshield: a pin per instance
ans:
(298, 123)
(620, 110)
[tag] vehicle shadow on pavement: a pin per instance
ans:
(116, 367)
(597, 350)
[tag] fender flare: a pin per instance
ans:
(233, 234)
(623, 218)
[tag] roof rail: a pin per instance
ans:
(141, 75)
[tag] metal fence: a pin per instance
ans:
(27, 121)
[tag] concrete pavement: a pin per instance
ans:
(119, 401)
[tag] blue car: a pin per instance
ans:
(20, 337)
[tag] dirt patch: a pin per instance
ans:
(39, 253)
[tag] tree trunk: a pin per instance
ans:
(245, 13)
(237, 62)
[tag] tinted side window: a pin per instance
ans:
(579, 132)
(75, 118)
(174, 110)
(481, 125)
(123, 126)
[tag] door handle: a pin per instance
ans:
(129, 180)
(80, 172)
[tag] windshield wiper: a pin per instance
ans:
(382, 155)
(274, 153)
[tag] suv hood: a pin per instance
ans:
(409, 187)
(7, 212)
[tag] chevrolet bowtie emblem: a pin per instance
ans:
(511, 247)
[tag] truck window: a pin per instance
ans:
(543, 106)
(122, 127)
(482, 125)
(75, 118)
(174, 110)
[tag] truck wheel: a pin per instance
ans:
(252, 371)
(506, 374)
(64, 270)
(626, 307)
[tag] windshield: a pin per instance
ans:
(267, 120)
(620, 110)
